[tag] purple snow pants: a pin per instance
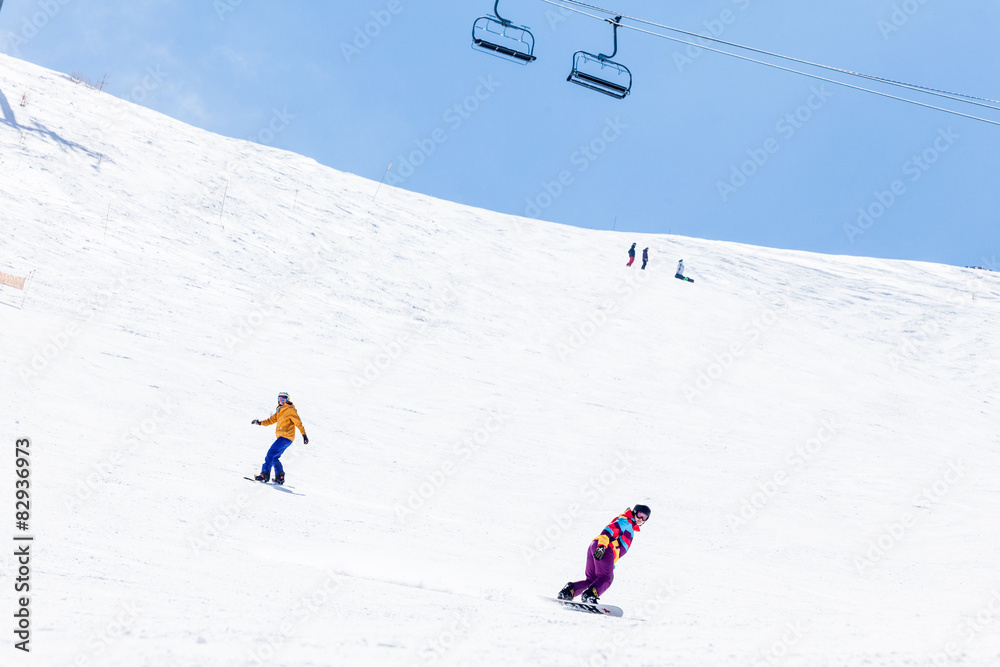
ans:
(599, 573)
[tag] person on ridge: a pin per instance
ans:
(645, 258)
(287, 418)
(631, 255)
(600, 571)
(680, 272)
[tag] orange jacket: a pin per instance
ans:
(286, 418)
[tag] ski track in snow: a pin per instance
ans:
(816, 435)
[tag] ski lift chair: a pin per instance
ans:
(498, 36)
(600, 72)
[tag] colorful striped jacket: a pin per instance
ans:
(619, 533)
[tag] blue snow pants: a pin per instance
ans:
(273, 457)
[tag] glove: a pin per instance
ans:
(256, 421)
(305, 439)
(598, 553)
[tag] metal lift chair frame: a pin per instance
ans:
(503, 28)
(601, 85)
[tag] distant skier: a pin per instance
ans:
(645, 258)
(287, 418)
(680, 272)
(600, 571)
(631, 255)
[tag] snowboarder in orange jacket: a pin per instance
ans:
(287, 419)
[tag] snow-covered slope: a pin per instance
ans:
(816, 435)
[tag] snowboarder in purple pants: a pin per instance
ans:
(600, 571)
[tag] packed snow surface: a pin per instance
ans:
(816, 435)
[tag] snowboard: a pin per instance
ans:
(262, 482)
(599, 608)
(690, 280)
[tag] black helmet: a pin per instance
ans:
(640, 509)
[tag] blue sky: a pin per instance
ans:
(705, 145)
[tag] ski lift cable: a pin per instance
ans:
(960, 97)
(786, 69)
